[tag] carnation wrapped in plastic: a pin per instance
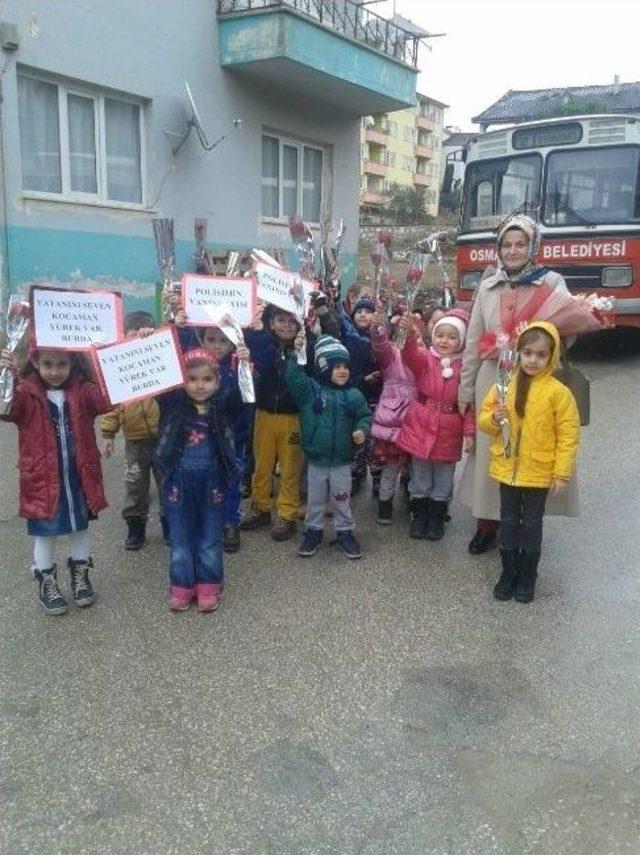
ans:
(17, 331)
(304, 243)
(507, 360)
(297, 292)
(166, 254)
(223, 317)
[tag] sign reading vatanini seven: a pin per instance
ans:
(70, 319)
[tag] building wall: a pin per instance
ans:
(401, 143)
(148, 50)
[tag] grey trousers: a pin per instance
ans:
(329, 483)
(431, 479)
(388, 479)
(138, 456)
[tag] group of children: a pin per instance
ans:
(379, 392)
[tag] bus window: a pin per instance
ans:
(593, 185)
(495, 188)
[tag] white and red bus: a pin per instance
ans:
(579, 177)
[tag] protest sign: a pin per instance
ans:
(274, 286)
(65, 319)
(202, 294)
(139, 367)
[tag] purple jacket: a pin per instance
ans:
(398, 391)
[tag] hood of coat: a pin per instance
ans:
(551, 330)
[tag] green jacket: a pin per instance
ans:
(327, 435)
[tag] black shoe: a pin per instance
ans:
(231, 538)
(435, 522)
(49, 593)
(385, 511)
(165, 530)
(527, 575)
(310, 542)
(348, 544)
(137, 533)
(481, 542)
(375, 486)
(356, 485)
(245, 488)
(505, 586)
(80, 585)
(419, 517)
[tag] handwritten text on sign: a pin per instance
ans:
(202, 293)
(139, 367)
(75, 319)
(274, 286)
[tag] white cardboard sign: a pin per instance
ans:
(202, 294)
(140, 367)
(67, 319)
(274, 286)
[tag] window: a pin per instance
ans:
(291, 179)
(79, 144)
(495, 188)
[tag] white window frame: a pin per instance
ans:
(99, 199)
(300, 145)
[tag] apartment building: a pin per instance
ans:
(403, 147)
(94, 117)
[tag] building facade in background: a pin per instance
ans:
(94, 107)
(405, 148)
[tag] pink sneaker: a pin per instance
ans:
(180, 598)
(208, 597)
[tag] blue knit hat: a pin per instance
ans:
(329, 351)
(364, 303)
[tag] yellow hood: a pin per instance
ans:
(553, 332)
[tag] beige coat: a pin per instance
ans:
(477, 491)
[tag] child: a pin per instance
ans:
(139, 423)
(433, 432)
(333, 416)
(544, 432)
(277, 424)
(196, 461)
(398, 391)
(54, 406)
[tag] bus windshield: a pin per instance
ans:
(495, 188)
(592, 186)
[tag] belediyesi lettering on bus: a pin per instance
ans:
(588, 249)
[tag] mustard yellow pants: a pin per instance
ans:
(276, 436)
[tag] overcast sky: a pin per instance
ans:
(496, 45)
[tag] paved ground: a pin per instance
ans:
(381, 707)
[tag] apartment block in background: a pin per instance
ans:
(405, 148)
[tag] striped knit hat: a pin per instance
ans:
(329, 351)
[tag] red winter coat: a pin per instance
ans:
(38, 454)
(433, 427)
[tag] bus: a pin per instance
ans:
(579, 178)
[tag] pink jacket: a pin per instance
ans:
(398, 391)
(433, 427)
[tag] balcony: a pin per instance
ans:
(372, 197)
(373, 167)
(335, 52)
(423, 151)
(425, 123)
(421, 180)
(375, 136)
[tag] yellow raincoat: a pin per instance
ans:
(544, 443)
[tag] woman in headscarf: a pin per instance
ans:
(499, 297)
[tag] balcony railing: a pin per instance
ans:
(374, 167)
(375, 136)
(347, 19)
(424, 151)
(421, 179)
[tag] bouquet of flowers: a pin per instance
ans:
(17, 330)
(572, 315)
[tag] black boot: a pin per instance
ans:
(137, 532)
(375, 485)
(506, 584)
(80, 584)
(356, 485)
(165, 530)
(51, 597)
(419, 516)
(527, 575)
(482, 541)
(435, 525)
(385, 511)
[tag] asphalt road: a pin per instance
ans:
(376, 707)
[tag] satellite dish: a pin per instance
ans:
(194, 121)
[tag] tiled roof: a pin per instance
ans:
(459, 138)
(518, 106)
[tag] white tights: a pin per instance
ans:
(43, 549)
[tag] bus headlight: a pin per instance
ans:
(617, 277)
(470, 281)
